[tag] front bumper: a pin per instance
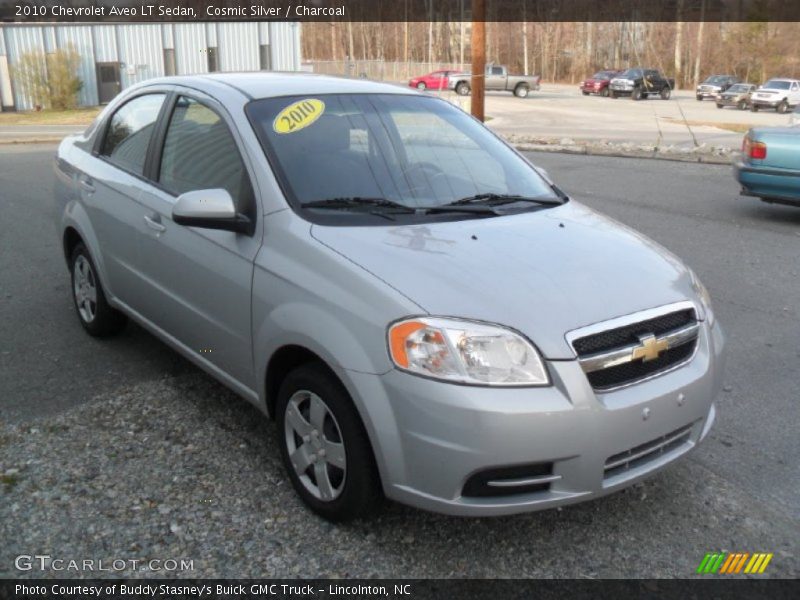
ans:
(711, 93)
(430, 437)
(763, 103)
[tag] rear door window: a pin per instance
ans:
(127, 137)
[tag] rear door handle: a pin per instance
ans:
(154, 223)
(86, 184)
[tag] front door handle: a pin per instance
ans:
(86, 184)
(154, 224)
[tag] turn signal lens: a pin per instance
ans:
(465, 352)
(756, 150)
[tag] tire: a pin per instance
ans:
(754, 108)
(699, 98)
(521, 91)
(636, 94)
(613, 94)
(783, 107)
(604, 92)
(584, 93)
(462, 88)
(742, 105)
(421, 86)
(719, 106)
(97, 317)
(352, 484)
(666, 93)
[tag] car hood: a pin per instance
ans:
(543, 273)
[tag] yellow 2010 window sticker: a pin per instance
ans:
(298, 115)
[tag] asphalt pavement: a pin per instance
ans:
(737, 492)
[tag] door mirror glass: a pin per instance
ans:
(210, 209)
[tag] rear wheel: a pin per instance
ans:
(613, 94)
(719, 105)
(754, 108)
(521, 91)
(324, 445)
(783, 107)
(462, 89)
(665, 93)
(699, 98)
(98, 318)
(421, 86)
(584, 93)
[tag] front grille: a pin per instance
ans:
(633, 371)
(507, 481)
(606, 356)
(649, 451)
(629, 334)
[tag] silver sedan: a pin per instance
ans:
(425, 314)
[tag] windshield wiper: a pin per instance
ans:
(382, 203)
(490, 199)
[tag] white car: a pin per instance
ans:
(780, 94)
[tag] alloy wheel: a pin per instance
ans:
(315, 445)
(84, 286)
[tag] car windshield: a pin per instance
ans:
(715, 79)
(775, 84)
(739, 87)
(631, 74)
(603, 75)
(394, 154)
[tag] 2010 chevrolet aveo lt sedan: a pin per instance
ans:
(423, 312)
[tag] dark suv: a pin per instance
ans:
(714, 85)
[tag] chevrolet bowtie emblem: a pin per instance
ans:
(650, 349)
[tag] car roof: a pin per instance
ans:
(259, 84)
(782, 79)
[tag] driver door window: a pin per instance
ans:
(200, 153)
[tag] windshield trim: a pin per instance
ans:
(362, 218)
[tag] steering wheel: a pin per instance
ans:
(421, 175)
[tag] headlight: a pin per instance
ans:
(465, 352)
(705, 298)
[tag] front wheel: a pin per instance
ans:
(636, 94)
(613, 94)
(783, 107)
(719, 105)
(754, 108)
(421, 86)
(521, 91)
(98, 318)
(462, 89)
(666, 93)
(584, 93)
(604, 92)
(699, 98)
(742, 105)
(324, 445)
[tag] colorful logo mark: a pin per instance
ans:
(733, 563)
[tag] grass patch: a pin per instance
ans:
(78, 116)
(735, 127)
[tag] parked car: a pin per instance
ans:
(423, 312)
(715, 85)
(639, 83)
(769, 165)
(497, 79)
(780, 94)
(437, 80)
(737, 95)
(598, 83)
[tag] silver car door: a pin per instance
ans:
(110, 181)
(199, 280)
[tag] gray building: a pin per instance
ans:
(115, 56)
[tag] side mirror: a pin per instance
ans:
(210, 209)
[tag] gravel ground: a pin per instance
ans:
(181, 468)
